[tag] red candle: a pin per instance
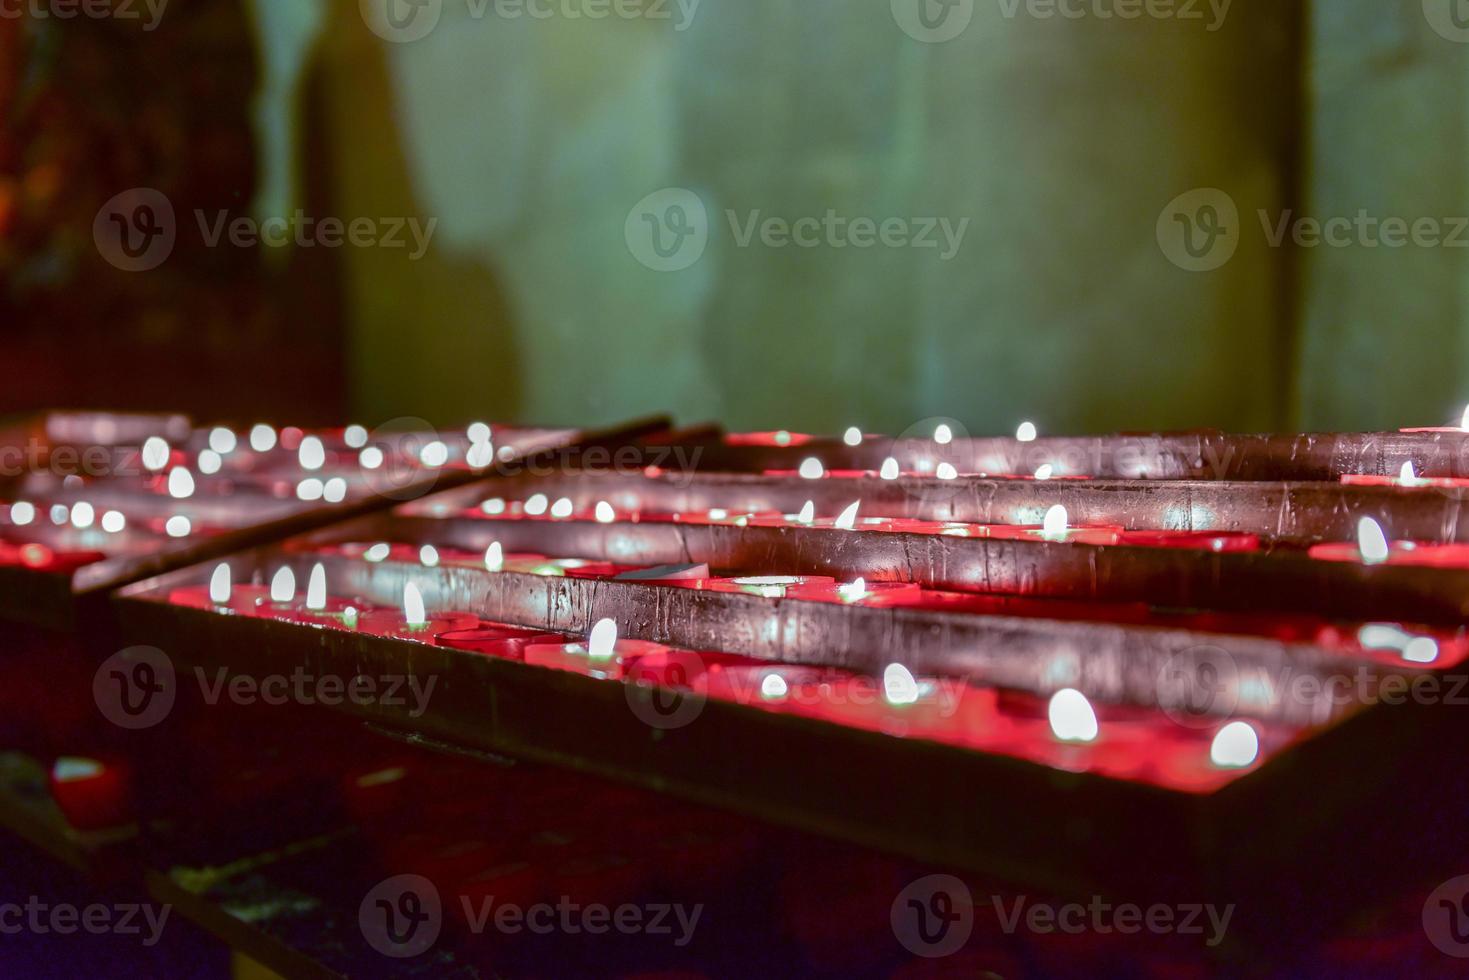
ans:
(1230, 541)
(93, 795)
(603, 654)
(498, 639)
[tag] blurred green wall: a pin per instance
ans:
(1067, 145)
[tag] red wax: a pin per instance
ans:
(1399, 553)
(392, 623)
(498, 639)
(1197, 540)
(41, 558)
(573, 657)
(778, 438)
(1431, 482)
(873, 593)
(93, 795)
(1088, 534)
(244, 599)
(769, 586)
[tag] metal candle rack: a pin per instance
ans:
(1442, 453)
(1071, 830)
(237, 510)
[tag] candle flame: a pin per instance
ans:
(811, 469)
(22, 512)
(1421, 650)
(155, 453)
(82, 514)
(262, 438)
(854, 591)
(434, 455)
(377, 552)
(334, 491)
(478, 433)
(219, 585)
(536, 505)
(943, 434)
(1236, 746)
(946, 471)
(898, 685)
(602, 643)
(1071, 716)
(370, 458)
(1371, 541)
(808, 513)
(493, 506)
(355, 436)
(223, 441)
(480, 455)
(413, 610)
(283, 586)
(1407, 474)
(178, 526)
(316, 587)
(210, 462)
(853, 436)
(114, 522)
(1044, 471)
(562, 508)
(773, 686)
(59, 514)
(428, 555)
(1056, 522)
(180, 483)
(605, 513)
(848, 518)
(311, 454)
(889, 469)
(1464, 422)
(310, 489)
(494, 557)
(1026, 432)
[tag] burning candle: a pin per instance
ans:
(262, 438)
(602, 655)
(220, 587)
(889, 469)
(811, 469)
(155, 453)
(414, 621)
(852, 437)
(1235, 746)
(1026, 432)
(1071, 716)
(180, 483)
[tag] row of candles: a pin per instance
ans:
(95, 531)
(1129, 743)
